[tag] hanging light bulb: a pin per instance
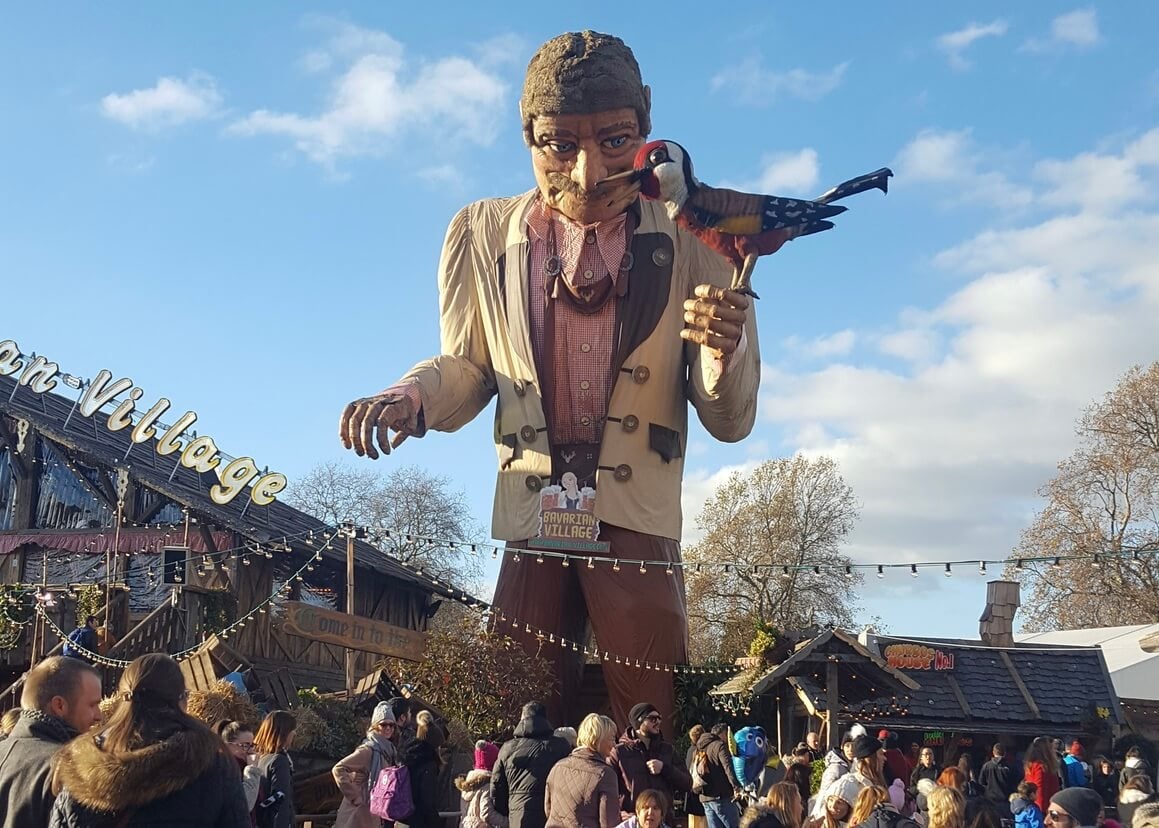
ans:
(948, 572)
(913, 570)
(565, 561)
(981, 567)
(515, 557)
(848, 571)
(591, 563)
(616, 565)
(880, 571)
(643, 568)
(539, 558)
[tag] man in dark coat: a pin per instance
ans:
(643, 760)
(996, 779)
(721, 787)
(61, 698)
(519, 781)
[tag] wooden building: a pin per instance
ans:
(952, 695)
(83, 504)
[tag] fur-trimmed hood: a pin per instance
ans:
(473, 781)
(112, 783)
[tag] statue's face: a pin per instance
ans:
(571, 154)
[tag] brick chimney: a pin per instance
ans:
(996, 626)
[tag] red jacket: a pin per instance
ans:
(1047, 782)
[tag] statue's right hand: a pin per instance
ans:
(367, 420)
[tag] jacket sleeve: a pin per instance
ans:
(725, 759)
(488, 813)
(725, 401)
(425, 785)
(251, 783)
(499, 785)
(456, 385)
(609, 799)
(234, 812)
(346, 772)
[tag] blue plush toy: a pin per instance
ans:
(752, 747)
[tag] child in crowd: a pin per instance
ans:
(1026, 812)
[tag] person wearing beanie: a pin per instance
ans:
(519, 775)
(1076, 770)
(865, 771)
(475, 810)
(1074, 808)
(567, 303)
(643, 760)
(357, 773)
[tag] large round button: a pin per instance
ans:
(533, 482)
(590, 238)
(585, 347)
(527, 433)
(640, 374)
(623, 472)
(630, 423)
(585, 385)
(520, 387)
(661, 257)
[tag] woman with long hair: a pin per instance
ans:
(865, 770)
(1041, 767)
(947, 808)
(152, 765)
(356, 774)
(952, 777)
(784, 800)
(834, 811)
(867, 803)
(272, 744)
(801, 775)
(239, 743)
(692, 806)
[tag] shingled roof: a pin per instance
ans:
(48, 413)
(1063, 689)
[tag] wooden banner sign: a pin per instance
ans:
(352, 631)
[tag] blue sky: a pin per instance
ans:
(241, 208)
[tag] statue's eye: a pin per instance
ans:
(658, 156)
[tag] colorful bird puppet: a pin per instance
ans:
(739, 226)
(748, 760)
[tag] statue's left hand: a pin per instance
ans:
(715, 318)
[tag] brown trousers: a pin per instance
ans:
(633, 615)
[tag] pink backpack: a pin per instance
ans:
(391, 797)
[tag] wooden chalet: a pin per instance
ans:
(949, 694)
(179, 566)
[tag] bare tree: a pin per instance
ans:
(786, 514)
(403, 508)
(1103, 502)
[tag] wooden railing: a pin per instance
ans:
(157, 632)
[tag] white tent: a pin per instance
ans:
(1134, 672)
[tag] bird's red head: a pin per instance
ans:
(648, 156)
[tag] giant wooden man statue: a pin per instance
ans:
(595, 320)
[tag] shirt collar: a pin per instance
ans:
(570, 236)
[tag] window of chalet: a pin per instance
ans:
(7, 491)
(65, 502)
(320, 587)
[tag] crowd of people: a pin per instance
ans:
(149, 763)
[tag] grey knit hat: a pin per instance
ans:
(578, 73)
(1083, 804)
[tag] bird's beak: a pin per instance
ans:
(627, 175)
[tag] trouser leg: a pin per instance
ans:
(639, 617)
(544, 596)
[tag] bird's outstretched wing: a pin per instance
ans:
(731, 211)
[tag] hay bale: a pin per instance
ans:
(223, 701)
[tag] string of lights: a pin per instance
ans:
(258, 609)
(567, 558)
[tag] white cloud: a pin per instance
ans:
(953, 162)
(837, 344)
(792, 173)
(170, 102)
(379, 93)
(946, 451)
(751, 83)
(1078, 29)
(954, 44)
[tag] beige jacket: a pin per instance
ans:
(487, 350)
(350, 774)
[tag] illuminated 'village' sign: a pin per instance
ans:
(200, 453)
(917, 657)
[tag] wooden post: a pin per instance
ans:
(832, 703)
(349, 605)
